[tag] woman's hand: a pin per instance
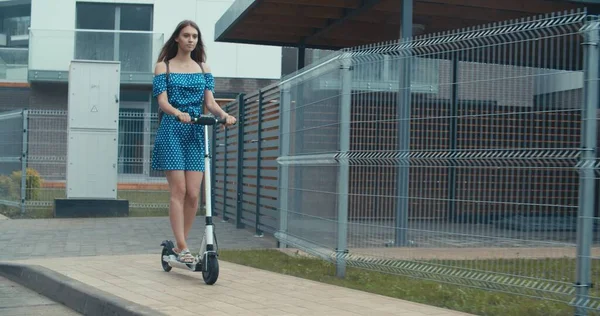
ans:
(229, 120)
(184, 117)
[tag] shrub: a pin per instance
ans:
(8, 189)
(33, 182)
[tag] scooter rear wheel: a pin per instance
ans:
(165, 265)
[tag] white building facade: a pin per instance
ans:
(39, 38)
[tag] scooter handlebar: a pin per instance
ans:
(206, 120)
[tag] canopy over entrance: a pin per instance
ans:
(335, 24)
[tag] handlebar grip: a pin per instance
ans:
(205, 120)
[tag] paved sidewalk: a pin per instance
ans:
(240, 290)
(16, 300)
(43, 238)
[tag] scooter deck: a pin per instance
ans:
(173, 258)
(172, 261)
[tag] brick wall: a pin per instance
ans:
(241, 85)
(49, 96)
(483, 187)
(496, 186)
(55, 95)
(12, 98)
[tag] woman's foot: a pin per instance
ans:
(184, 256)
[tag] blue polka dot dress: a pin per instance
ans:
(180, 146)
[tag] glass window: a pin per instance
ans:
(136, 17)
(104, 16)
(17, 25)
(133, 50)
(95, 16)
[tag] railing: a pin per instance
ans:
(12, 152)
(245, 176)
(35, 141)
(487, 180)
(13, 64)
(53, 50)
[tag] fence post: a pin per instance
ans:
(343, 175)
(24, 155)
(240, 161)
(452, 215)
(259, 232)
(284, 170)
(585, 233)
(404, 108)
(213, 162)
(225, 219)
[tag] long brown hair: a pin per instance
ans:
(169, 50)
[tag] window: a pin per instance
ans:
(108, 31)
(17, 25)
(14, 25)
(109, 16)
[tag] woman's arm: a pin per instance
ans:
(213, 106)
(211, 103)
(160, 91)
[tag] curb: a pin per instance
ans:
(76, 295)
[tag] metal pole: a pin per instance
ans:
(213, 169)
(24, 154)
(284, 170)
(588, 156)
(301, 57)
(225, 138)
(259, 232)
(298, 197)
(240, 162)
(343, 176)
(452, 216)
(298, 149)
(404, 104)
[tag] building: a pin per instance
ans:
(38, 39)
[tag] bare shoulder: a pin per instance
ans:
(206, 67)
(160, 68)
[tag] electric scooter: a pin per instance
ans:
(206, 260)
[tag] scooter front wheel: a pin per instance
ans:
(211, 274)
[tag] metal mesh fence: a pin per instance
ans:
(145, 189)
(454, 157)
(12, 136)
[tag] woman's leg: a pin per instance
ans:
(193, 181)
(177, 187)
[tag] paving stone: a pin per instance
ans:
(25, 238)
(240, 290)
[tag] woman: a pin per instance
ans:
(179, 146)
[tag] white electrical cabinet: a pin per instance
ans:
(93, 127)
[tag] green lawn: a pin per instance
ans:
(160, 199)
(465, 299)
